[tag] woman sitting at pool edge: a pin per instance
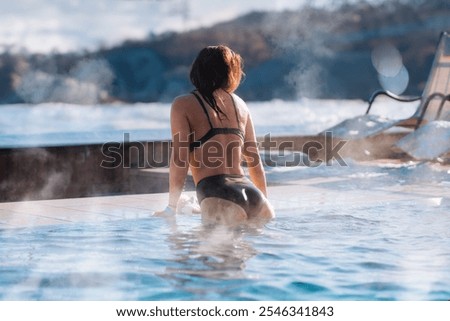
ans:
(212, 132)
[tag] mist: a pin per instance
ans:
(86, 83)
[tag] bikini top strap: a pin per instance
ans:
(204, 108)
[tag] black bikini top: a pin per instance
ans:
(215, 130)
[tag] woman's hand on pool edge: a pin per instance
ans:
(167, 212)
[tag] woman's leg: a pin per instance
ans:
(266, 212)
(220, 211)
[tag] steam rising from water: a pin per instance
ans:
(397, 213)
(62, 259)
(86, 83)
(304, 39)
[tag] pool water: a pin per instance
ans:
(362, 232)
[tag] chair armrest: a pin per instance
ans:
(441, 107)
(443, 98)
(391, 95)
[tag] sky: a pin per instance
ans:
(53, 25)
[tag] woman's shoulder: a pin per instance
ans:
(240, 105)
(183, 98)
(182, 101)
(238, 100)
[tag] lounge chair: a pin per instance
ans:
(431, 106)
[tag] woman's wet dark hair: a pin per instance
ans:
(216, 67)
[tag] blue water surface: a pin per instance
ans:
(383, 250)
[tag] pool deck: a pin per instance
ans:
(73, 171)
(303, 195)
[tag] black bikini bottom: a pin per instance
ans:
(235, 188)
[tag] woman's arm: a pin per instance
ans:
(179, 158)
(252, 158)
